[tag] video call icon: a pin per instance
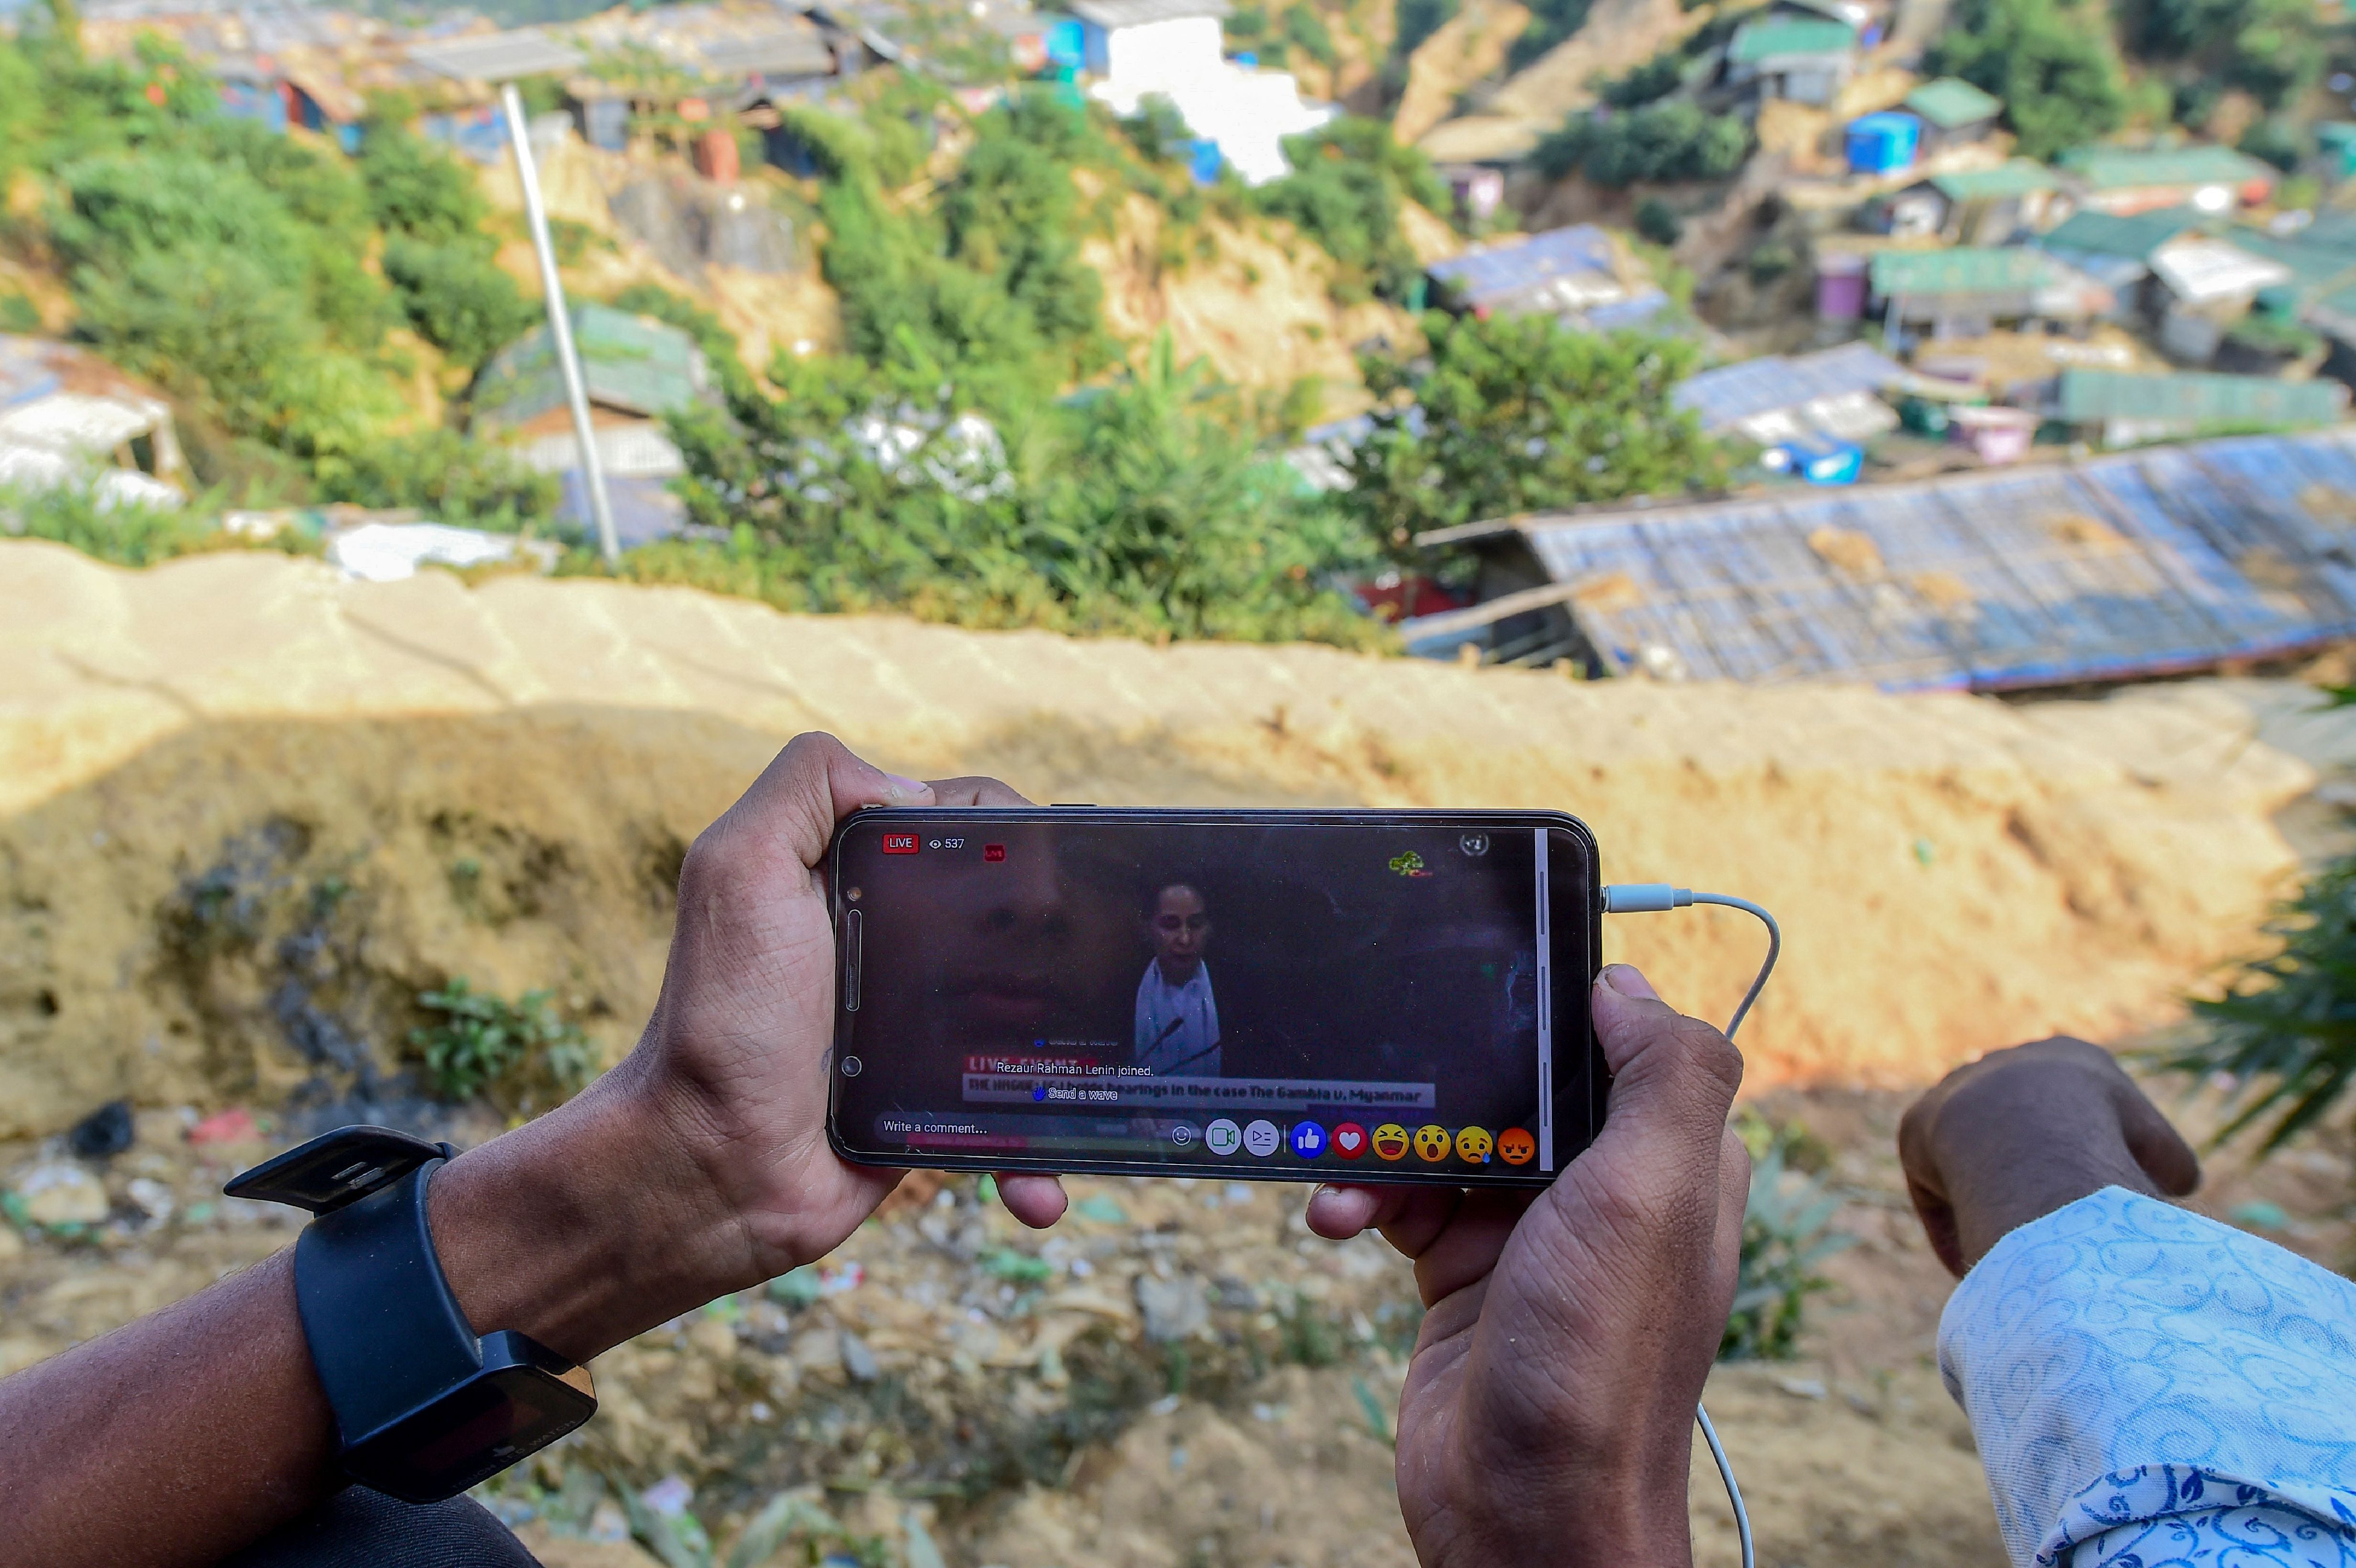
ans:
(1223, 1136)
(1262, 1138)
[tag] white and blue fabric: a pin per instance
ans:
(2151, 1389)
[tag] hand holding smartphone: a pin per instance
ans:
(1361, 997)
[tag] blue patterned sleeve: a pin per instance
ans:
(2151, 1389)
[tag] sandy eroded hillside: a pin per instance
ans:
(1952, 872)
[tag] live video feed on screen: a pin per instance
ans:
(1363, 996)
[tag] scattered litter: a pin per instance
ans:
(858, 1359)
(1802, 1388)
(1102, 1208)
(921, 1551)
(104, 1132)
(667, 1498)
(1166, 1406)
(1378, 1420)
(1177, 1460)
(154, 1198)
(1005, 1262)
(2260, 1215)
(386, 552)
(1173, 1308)
(798, 1289)
(986, 1189)
(61, 1193)
(234, 1125)
(840, 1279)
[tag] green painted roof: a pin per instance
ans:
(2017, 177)
(1951, 102)
(631, 362)
(1963, 269)
(2126, 168)
(2316, 260)
(2137, 235)
(1757, 41)
(2201, 402)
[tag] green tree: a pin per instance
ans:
(1139, 508)
(1519, 414)
(458, 298)
(2051, 62)
(1661, 143)
(1348, 185)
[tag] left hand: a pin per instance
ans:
(715, 1124)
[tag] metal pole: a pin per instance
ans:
(559, 326)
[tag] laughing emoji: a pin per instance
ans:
(1390, 1141)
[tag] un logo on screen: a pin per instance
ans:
(1474, 844)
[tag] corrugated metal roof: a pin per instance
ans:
(1758, 41)
(2195, 400)
(631, 363)
(1951, 102)
(1961, 270)
(793, 50)
(2110, 234)
(498, 57)
(2132, 564)
(1111, 13)
(2129, 168)
(2017, 177)
(1734, 392)
(1484, 279)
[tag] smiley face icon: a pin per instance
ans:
(1516, 1147)
(1474, 1144)
(1431, 1142)
(1390, 1141)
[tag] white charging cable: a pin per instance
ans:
(1642, 898)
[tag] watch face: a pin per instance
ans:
(472, 1433)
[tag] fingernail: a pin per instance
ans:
(1624, 979)
(905, 786)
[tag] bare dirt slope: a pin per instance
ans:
(1256, 301)
(1616, 35)
(1465, 50)
(496, 781)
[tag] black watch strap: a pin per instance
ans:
(386, 1334)
(424, 1408)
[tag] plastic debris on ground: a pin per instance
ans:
(386, 552)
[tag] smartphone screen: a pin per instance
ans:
(1363, 996)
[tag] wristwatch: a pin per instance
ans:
(424, 1408)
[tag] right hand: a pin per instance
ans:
(1548, 1417)
(2023, 1131)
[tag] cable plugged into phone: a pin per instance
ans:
(1653, 897)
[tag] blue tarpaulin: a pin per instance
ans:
(2113, 568)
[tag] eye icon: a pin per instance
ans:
(1474, 844)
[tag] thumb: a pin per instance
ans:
(1665, 1067)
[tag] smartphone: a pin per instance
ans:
(1361, 995)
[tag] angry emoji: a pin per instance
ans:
(1516, 1147)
